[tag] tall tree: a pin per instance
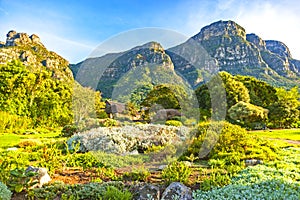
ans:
(261, 93)
(285, 111)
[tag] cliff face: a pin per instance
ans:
(236, 52)
(31, 51)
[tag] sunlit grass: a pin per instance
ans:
(290, 134)
(11, 140)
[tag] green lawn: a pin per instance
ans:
(290, 134)
(11, 140)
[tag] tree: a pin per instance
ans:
(235, 91)
(167, 96)
(285, 111)
(261, 93)
(37, 95)
(248, 114)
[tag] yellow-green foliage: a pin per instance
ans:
(13, 122)
(35, 95)
(173, 123)
(247, 112)
(177, 171)
(226, 141)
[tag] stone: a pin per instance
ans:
(177, 190)
(2, 44)
(162, 167)
(43, 176)
(11, 34)
(147, 192)
(35, 39)
(12, 149)
(253, 162)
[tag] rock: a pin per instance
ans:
(167, 114)
(12, 149)
(260, 44)
(177, 190)
(147, 192)
(43, 176)
(162, 167)
(11, 34)
(220, 28)
(253, 162)
(2, 44)
(278, 48)
(35, 39)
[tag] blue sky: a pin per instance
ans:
(74, 29)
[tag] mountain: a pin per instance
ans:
(117, 75)
(36, 84)
(236, 52)
(220, 46)
(30, 51)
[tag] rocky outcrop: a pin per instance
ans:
(177, 190)
(221, 28)
(148, 191)
(257, 41)
(31, 51)
(18, 39)
(278, 48)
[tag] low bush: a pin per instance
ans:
(5, 193)
(260, 182)
(228, 142)
(176, 172)
(27, 143)
(102, 191)
(271, 189)
(109, 123)
(173, 123)
(10, 122)
(140, 174)
(125, 139)
(69, 130)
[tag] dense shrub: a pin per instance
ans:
(271, 189)
(5, 193)
(105, 191)
(27, 143)
(69, 130)
(109, 123)
(127, 138)
(173, 123)
(222, 140)
(13, 122)
(176, 172)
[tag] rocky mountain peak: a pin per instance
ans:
(257, 41)
(16, 39)
(278, 48)
(221, 28)
(154, 46)
(30, 51)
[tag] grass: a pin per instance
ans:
(11, 140)
(289, 134)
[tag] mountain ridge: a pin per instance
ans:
(220, 46)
